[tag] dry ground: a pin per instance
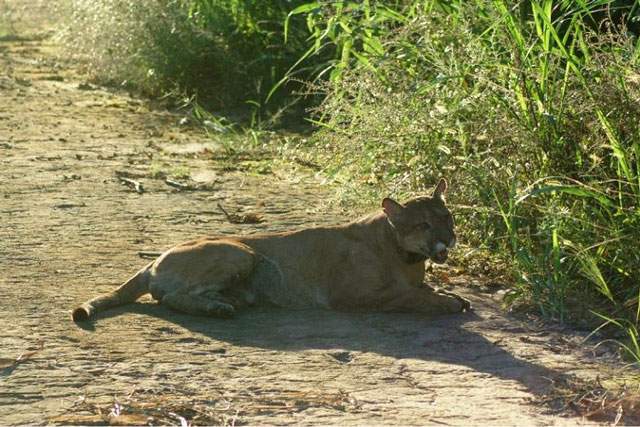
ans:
(70, 229)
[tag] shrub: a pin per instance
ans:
(536, 122)
(225, 52)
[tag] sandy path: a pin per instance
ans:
(70, 230)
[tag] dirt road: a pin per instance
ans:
(70, 228)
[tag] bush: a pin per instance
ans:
(534, 119)
(225, 52)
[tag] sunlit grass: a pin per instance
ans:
(533, 115)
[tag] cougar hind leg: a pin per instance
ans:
(209, 302)
(201, 305)
(201, 277)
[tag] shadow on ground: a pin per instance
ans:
(447, 339)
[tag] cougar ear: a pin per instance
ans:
(438, 193)
(392, 209)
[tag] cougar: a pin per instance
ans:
(375, 263)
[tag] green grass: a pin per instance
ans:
(532, 114)
(225, 54)
(180, 172)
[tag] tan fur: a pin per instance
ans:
(375, 263)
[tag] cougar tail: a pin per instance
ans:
(129, 291)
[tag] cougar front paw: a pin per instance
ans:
(466, 304)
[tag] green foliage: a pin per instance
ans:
(532, 113)
(340, 32)
(630, 328)
(227, 53)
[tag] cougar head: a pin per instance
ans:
(423, 225)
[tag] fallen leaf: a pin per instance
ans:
(445, 278)
(248, 218)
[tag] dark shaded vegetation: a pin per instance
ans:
(226, 55)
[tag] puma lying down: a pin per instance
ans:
(375, 263)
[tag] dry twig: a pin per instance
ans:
(149, 254)
(135, 185)
(11, 363)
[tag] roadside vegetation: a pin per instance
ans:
(530, 108)
(227, 55)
